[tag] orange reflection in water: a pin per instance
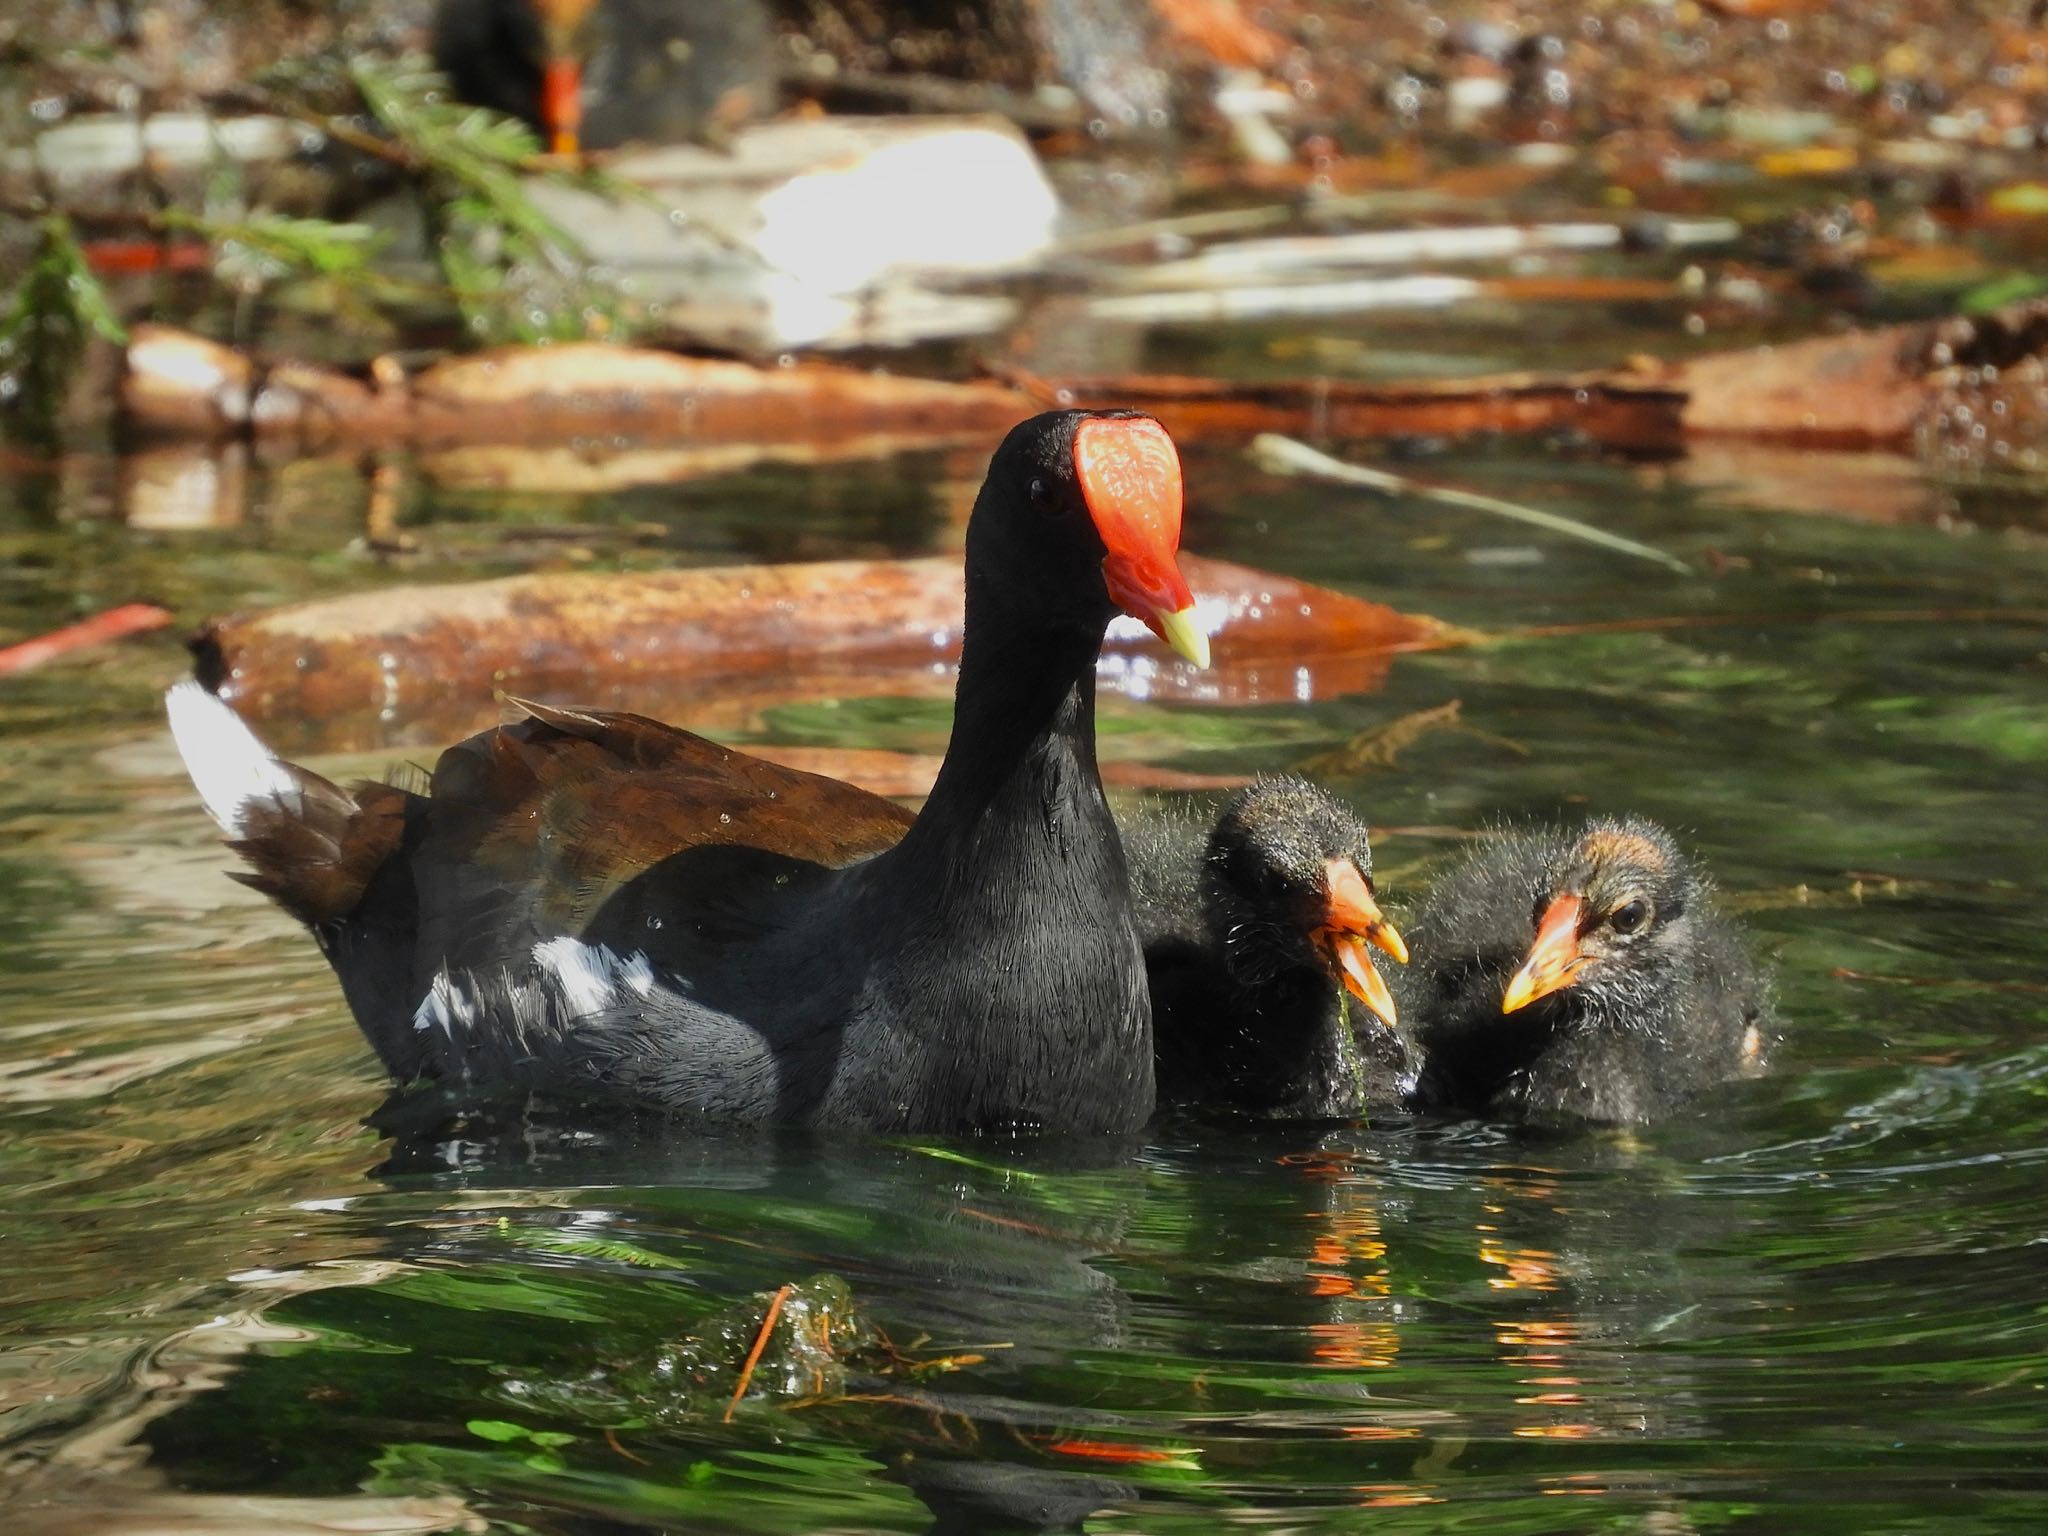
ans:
(1556, 1431)
(1347, 1260)
(1393, 1496)
(1543, 1345)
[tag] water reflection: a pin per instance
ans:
(1812, 1304)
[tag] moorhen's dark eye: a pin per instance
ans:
(1041, 495)
(1629, 916)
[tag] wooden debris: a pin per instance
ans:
(1866, 389)
(909, 775)
(1281, 455)
(1633, 414)
(179, 384)
(101, 629)
(715, 647)
(746, 1375)
(1380, 746)
(1827, 391)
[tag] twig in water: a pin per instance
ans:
(754, 1355)
(611, 1438)
(1281, 455)
(1379, 746)
(100, 629)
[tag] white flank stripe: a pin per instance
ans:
(589, 976)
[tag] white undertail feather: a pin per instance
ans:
(228, 765)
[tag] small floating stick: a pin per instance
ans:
(754, 1355)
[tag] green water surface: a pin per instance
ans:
(1818, 1304)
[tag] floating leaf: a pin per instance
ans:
(516, 274)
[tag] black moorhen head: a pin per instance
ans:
(603, 908)
(1580, 975)
(594, 74)
(1253, 935)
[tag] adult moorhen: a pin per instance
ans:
(594, 74)
(1579, 975)
(1253, 933)
(602, 907)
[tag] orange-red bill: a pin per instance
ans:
(1554, 958)
(1129, 472)
(1351, 920)
(1361, 978)
(1352, 908)
(561, 104)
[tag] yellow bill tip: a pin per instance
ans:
(1362, 980)
(1180, 630)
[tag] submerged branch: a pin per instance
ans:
(101, 629)
(754, 1355)
(1287, 456)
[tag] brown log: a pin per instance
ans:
(1867, 389)
(178, 384)
(1828, 391)
(1636, 416)
(714, 647)
(182, 385)
(909, 775)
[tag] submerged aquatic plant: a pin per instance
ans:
(57, 309)
(262, 247)
(515, 273)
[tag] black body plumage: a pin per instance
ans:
(599, 907)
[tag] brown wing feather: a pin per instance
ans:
(535, 824)
(679, 791)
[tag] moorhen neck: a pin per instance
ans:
(1580, 975)
(1253, 934)
(600, 907)
(594, 74)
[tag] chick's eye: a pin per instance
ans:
(1629, 916)
(1041, 494)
